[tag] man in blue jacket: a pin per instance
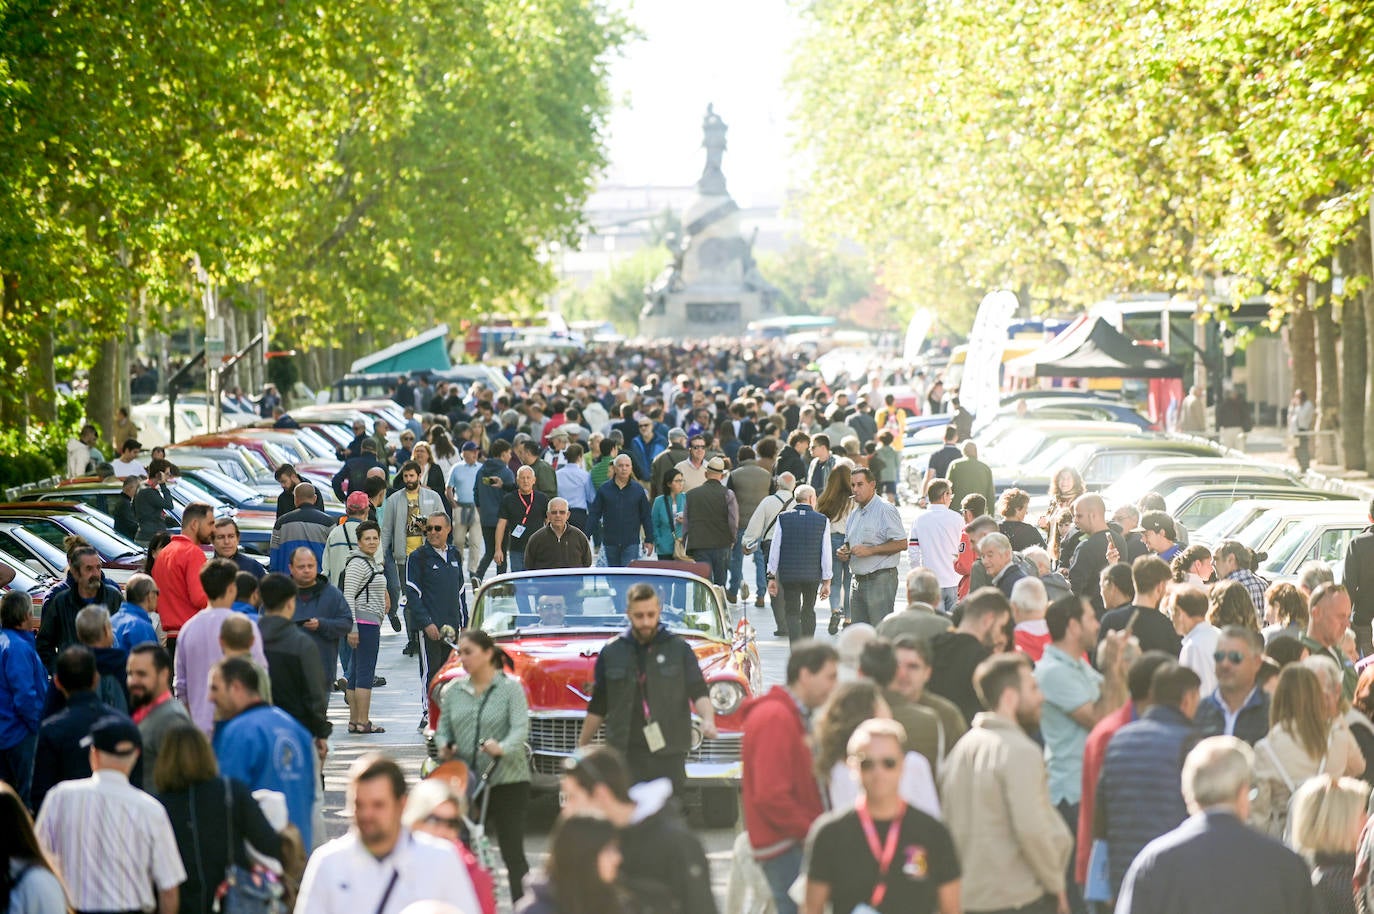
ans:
(434, 596)
(133, 624)
(262, 745)
(23, 685)
(59, 755)
(1140, 792)
(321, 611)
(622, 513)
(305, 526)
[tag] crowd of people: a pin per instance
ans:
(1072, 711)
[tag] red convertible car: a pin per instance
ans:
(554, 623)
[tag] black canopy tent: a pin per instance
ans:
(1106, 353)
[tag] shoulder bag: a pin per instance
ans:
(245, 890)
(679, 544)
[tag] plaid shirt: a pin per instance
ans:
(1254, 585)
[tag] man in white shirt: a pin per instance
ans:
(1199, 636)
(128, 464)
(112, 842)
(934, 540)
(381, 867)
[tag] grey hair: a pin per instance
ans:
(1327, 671)
(91, 623)
(998, 541)
(139, 588)
(1029, 599)
(922, 586)
(1040, 558)
(802, 493)
(787, 482)
(1216, 771)
(1314, 574)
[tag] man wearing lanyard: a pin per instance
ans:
(522, 512)
(882, 856)
(873, 541)
(643, 688)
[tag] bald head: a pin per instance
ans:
(1090, 514)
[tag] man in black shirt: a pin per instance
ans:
(882, 855)
(1090, 553)
(522, 512)
(1152, 628)
(941, 459)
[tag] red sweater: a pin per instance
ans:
(1094, 754)
(781, 795)
(177, 573)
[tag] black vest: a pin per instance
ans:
(799, 555)
(708, 517)
(665, 689)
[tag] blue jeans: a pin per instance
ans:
(760, 572)
(781, 872)
(736, 567)
(621, 556)
(362, 660)
(949, 596)
(516, 560)
(16, 766)
(718, 559)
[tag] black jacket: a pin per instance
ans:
(199, 817)
(789, 461)
(58, 626)
(354, 471)
(957, 655)
(1359, 577)
(59, 755)
(1152, 628)
(1089, 558)
(286, 502)
(293, 665)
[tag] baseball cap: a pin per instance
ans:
(357, 501)
(114, 734)
(469, 446)
(716, 465)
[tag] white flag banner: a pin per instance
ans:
(980, 388)
(916, 332)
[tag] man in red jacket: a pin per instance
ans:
(177, 571)
(780, 792)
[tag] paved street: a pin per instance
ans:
(396, 707)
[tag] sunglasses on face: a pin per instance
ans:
(434, 528)
(455, 824)
(888, 762)
(1228, 656)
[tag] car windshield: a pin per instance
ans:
(1287, 546)
(1227, 522)
(1019, 441)
(581, 601)
(227, 488)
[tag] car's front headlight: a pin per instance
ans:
(726, 696)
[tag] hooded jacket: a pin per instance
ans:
(663, 865)
(23, 687)
(781, 796)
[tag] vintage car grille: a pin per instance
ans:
(554, 738)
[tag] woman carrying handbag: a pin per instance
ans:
(667, 517)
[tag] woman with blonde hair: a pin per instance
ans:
(835, 503)
(1229, 603)
(1326, 819)
(437, 807)
(1305, 739)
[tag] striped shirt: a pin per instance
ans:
(111, 841)
(505, 717)
(364, 587)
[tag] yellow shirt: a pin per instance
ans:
(415, 522)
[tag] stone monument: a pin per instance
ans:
(713, 286)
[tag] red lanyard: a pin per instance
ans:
(642, 677)
(886, 853)
(528, 507)
(143, 712)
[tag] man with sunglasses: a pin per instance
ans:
(1238, 707)
(435, 599)
(882, 855)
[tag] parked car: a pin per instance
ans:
(1263, 533)
(555, 663)
(234, 461)
(16, 574)
(1103, 463)
(1315, 538)
(1230, 522)
(1164, 473)
(54, 521)
(1195, 505)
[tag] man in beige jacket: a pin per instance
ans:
(996, 799)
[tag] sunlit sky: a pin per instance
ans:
(732, 53)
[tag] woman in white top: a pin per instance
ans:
(835, 503)
(851, 704)
(1306, 738)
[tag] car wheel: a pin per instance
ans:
(720, 807)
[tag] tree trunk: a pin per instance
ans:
(100, 396)
(13, 415)
(1302, 343)
(1328, 363)
(1353, 359)
(43, 375)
